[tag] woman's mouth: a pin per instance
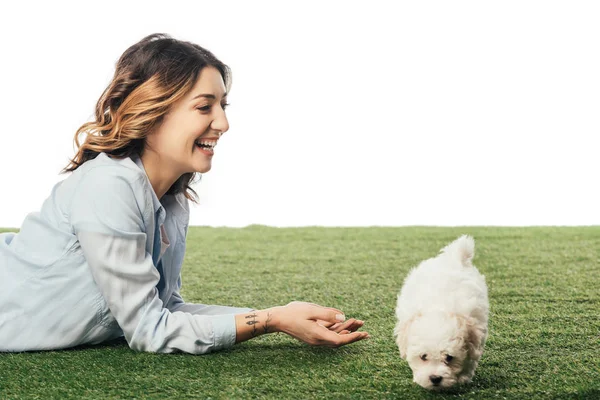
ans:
(206, 146)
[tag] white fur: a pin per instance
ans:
(443, 310)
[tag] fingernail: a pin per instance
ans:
(340, 317)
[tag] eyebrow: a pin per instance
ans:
(208, 96)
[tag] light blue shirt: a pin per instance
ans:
(102, 259)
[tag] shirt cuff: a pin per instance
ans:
(224, 331)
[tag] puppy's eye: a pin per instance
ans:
(424, 357)
(449, 358)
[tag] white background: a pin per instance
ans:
(342, 113)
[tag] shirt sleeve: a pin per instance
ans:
(107, 217)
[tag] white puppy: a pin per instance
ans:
(442, 316)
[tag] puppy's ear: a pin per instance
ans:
(476, 336)
(401, 333)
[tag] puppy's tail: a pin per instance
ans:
(461, 249)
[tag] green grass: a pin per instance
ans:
(544, 343)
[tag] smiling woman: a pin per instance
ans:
(162, 91)
(184, 142)
(103, 258)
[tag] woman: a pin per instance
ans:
(102, 258)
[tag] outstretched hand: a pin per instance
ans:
(318, 325)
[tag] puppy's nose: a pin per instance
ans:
(435, 379)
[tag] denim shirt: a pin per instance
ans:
(100, 260)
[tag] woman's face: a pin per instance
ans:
(185, 139)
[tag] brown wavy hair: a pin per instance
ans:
(149, 77)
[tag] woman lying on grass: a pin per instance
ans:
(103, 257)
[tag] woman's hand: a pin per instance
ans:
(317, 325)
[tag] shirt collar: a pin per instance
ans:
(177, 205)
(155, 201)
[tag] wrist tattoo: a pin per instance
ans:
(266, 326)
(253, 323)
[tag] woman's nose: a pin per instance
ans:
(220, 123)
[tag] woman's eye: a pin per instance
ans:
(207, 108)
(449, 358)
(424, 357)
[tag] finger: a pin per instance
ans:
(327, 324)
(325, 308)
(356, 325)
(351, 325)
(333, 339)
(335, 327)
(342, 340)
(344, 332)
(343, 326)
(327, 314)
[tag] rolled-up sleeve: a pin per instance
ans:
(107, 215)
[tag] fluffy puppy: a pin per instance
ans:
(442, 314)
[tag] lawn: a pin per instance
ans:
(544, 342)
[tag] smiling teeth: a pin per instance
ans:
(206, 143)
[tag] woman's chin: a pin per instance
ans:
(202, 169)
